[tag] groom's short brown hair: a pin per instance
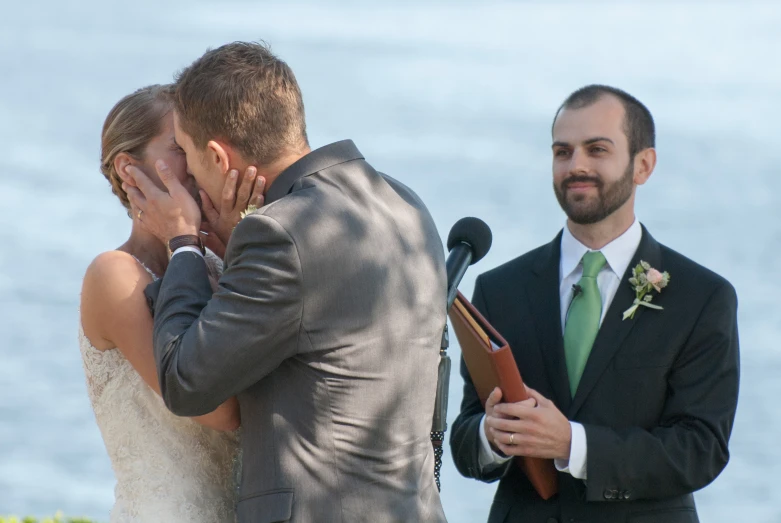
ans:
(243, 94)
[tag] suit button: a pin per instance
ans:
(626, 494)
(608, 494)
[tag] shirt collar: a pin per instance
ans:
(317, 160)
(618, 253)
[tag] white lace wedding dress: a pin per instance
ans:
(168, 469)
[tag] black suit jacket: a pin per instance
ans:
(657, 397)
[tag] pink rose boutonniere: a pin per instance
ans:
(645, 279)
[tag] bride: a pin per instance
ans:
(167, 468)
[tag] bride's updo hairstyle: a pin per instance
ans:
(130, 125)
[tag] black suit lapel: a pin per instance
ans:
(545, 304)
(614, 329)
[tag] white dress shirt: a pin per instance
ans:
(187, 248)
(619, 254)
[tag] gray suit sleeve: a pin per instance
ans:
(208, 348)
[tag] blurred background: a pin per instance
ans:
(455, 99)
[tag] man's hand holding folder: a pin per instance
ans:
(494, 399)
(533, 427)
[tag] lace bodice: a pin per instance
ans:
(167, 468)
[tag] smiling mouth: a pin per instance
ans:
(580, 183)
(581, 186)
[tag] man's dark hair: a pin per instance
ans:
(638, 122)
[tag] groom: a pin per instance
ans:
(636, 411)
(327, 320)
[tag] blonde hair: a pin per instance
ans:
(129, 127)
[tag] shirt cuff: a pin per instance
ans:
(186, 248)
(576, 464)
(486, 457)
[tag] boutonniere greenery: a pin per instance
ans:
(243, 214)
(645, 279)
(249, 210)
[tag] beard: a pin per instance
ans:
(610, 197)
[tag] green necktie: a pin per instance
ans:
(583, 317)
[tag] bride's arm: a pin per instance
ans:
(114, 313)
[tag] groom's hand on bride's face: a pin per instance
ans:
(166, 215)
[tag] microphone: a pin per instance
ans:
(468, 242)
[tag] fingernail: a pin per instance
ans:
(234, 174)
(160, 164)
(124, 186)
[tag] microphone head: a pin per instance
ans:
(475, 233)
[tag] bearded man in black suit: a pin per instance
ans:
(629, 349)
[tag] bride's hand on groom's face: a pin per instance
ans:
(166, 215)
(233, 203)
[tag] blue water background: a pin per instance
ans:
(454, 99)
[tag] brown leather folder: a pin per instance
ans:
(491, 364)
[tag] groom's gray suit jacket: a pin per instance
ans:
(326, 325)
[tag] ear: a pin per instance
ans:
(645, 162)
(122, 160)
(219, 154)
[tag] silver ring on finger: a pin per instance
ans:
(140, 212)
(512, 437)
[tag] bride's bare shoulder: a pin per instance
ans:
(113, 288)
(114, 271)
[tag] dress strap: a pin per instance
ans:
(147, 269)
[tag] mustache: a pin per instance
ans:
(581, 179)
